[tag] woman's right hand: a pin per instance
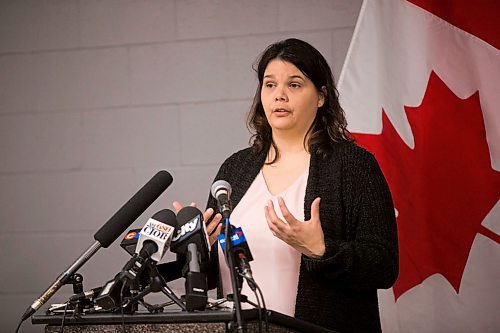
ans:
(213, 228)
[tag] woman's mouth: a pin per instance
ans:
(281, 111)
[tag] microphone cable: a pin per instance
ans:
(121, 307)
(255, 290)
(61, 330)
(19, 326)
(263, 305)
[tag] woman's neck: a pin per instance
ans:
(287, 146)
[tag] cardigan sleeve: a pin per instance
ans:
(366, 255)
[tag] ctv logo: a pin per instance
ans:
(187, 228)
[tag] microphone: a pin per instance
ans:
(129, 241)
(191, 228)
(191, 239)
(238, 242)
(133, 208)
(240, 252)
(154, 240)
(109, 297)
(196, 281)
(157, 231)
(109, 232)
(169, 271)
(246, 271)
(221, 191)
(88, 294)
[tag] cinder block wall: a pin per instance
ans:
(96, 96)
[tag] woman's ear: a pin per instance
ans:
(322, 96)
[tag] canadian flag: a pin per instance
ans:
(421, 90)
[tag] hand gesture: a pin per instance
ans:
(305, 236)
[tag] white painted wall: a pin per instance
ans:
(96, 96)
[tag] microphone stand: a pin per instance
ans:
(156, 284)
(108, 233)
(61, 280)
(232, 273)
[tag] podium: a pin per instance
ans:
(217, 321)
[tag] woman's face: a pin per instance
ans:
(289, 98)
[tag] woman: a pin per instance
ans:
(315, 208)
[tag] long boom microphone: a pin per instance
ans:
(109, 232)
(133, 208)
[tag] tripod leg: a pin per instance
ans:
(170, 294)
(158, 284)
(138, 297)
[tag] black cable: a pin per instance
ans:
(260, 311)
(121, 307)
(258, 306)
(19, 325)
(264, 306)
(64, 317)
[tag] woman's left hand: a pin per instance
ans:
(306, 237)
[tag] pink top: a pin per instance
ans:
(276, 264)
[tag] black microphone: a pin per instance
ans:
(154, 240)
(87, 294)
(133, 208)
(191, 239)
(109, 297)
(221, 191)
(245, 270)
(109, 232)
(190, 228)
(169, 271)
(129, 241)
(240, 252)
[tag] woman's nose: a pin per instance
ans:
(280, 95)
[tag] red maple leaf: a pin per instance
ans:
(442, 189)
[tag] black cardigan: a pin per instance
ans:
(338, 291)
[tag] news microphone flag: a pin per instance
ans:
(157, 232)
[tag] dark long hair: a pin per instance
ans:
(329, 125)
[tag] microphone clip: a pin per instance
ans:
(79, 300)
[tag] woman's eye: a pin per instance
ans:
(295, 85)
(269, 84)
